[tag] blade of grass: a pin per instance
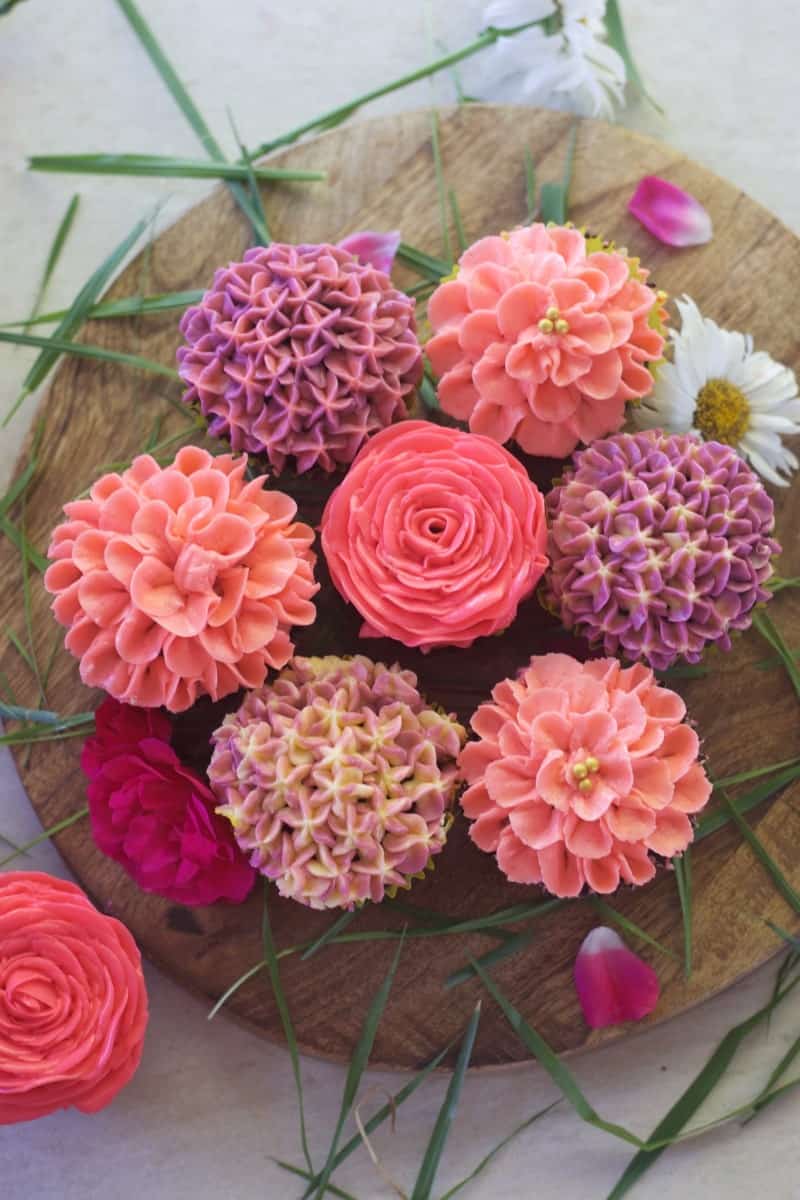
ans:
(355, 1070)
(129, 306)
(458, 222)
(329, 1187)
(636, 931)
(431, 268)
(262, 229)
(57, 345)
(562, 1077)
(776, 1074)
(768, 630)
(506, 949)
(45, 835)
(782, 884)
(234, 988)
(711, 822)
(18, 539)
(21, 650)
(530, 187)
(41, 716)
(444, 1119)
(75, 317)
(271, 959)
(555, 196)
(62, 233)
(758, 773)
(338, 925)
(615, 34)
(495, 1150)
(699, 1089)
(441, 189)
(28, 616)
(35, 734)
(683, 878)
(162, 167)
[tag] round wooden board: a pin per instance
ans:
(381, 175)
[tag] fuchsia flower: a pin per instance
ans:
(613, 983)
(373, 249)
(669, 213)
(155, 817)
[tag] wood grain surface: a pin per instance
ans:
(381, 175)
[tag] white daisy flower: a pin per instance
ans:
(717, 386)
(564, 63)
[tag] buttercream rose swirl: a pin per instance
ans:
(435, 536)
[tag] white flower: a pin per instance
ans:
(720, 388)
(572, 67)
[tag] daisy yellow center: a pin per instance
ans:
(722, 412)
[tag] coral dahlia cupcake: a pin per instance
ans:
(180, 581)
(542, 337)
(300, 352)
(581, 774)
(337, 779)
(435, 536)
(661, 545)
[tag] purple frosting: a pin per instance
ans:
(300, 352)
(660, 544)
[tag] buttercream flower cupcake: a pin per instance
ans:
(337, 779)
(543, 337)
(181, 581)
(435, 536)
(582, 775)
(300, 352)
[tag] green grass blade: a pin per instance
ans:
(18, 539)
(129, 306)
(611, 914)
(62, 233)
(458, 222)
(355, 1070)
(561, 1076)
(757, 773)
(163, 167)
(338, 925)
(329, 1187)
(530, 187)
(782, 884)
(45, 835)
(444, 1119)
(711, 822)
(262, 228)
(506, 949)
(58, 345)
(682, 865)
(431, 268)
(769, 631)
(75, 317)
(271, 959)
(234, 988)
(552, 203)
(40, 716)
(441, 189)
(495, 1150)
(699, 1089)
(615, 34)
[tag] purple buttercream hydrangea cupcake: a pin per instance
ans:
(660, 545)
(299, 353)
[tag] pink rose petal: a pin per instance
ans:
(613, 984)
(373, 249)
(669, 213)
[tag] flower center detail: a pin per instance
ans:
(553, 322)
(583, 773)
(722, 412)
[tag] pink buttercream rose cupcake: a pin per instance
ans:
(539, 340)
(181, 581)
(435, 536)
(581, 774)
(73, 1006)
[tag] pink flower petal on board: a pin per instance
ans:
(373, 249)
(669, 213)
(613, 984)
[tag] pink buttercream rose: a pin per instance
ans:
(154, 816)
(435, 536)
(538, 340)
(73, 1006)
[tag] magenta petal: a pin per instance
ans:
(613, 983)
(670, 213)
(373, 249)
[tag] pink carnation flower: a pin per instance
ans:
(337, 779)
(300, 352)
(154, 816)
(540, 341)
(435, 536)
(180, 581)
(582, 772)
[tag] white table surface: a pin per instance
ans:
(212, 1103)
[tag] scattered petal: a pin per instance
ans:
(669, 213)
(373, 249)
(613, 984)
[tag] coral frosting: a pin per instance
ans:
(300, 352)
(660, 545)
(582, 772)
(435, 535)
(539, 339)
(180, 581)
(337, 779)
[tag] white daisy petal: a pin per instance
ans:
(765, 469)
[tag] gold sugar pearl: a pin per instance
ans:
(546, 325)
(592, 765)
(552, 314)
(562, 326)
(580, 770)
(586, 785)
